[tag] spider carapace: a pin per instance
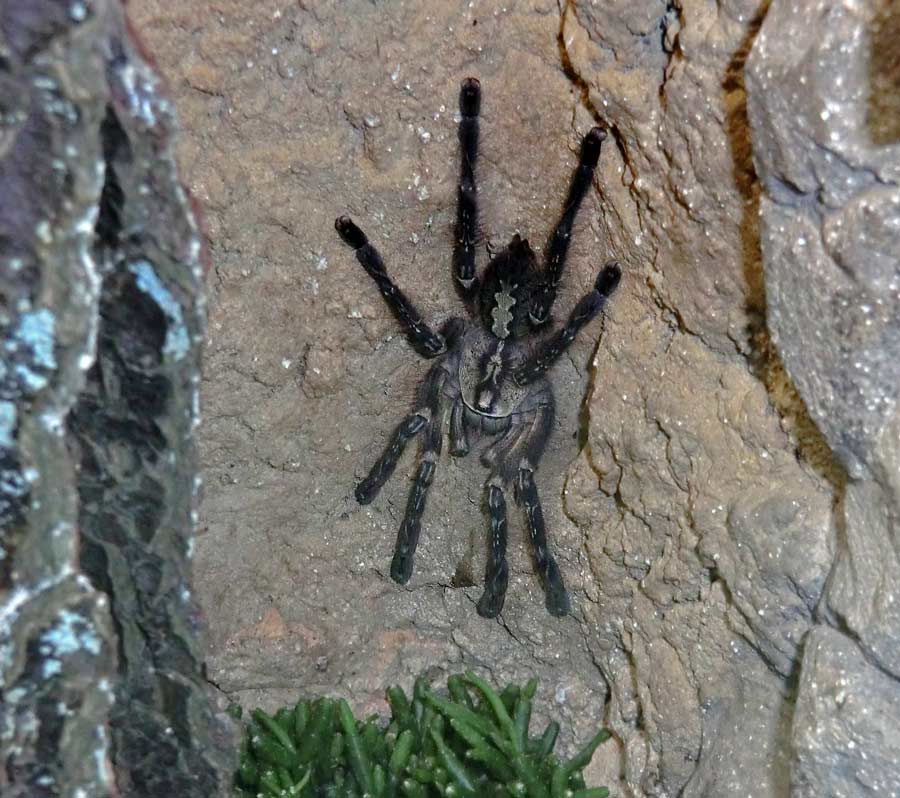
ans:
(488, 381)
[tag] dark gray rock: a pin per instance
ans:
(830, 215)
(845, 736)
(830, 220)
(101, 321)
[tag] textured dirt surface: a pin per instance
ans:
(687, 494)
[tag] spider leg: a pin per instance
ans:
(423, 339)
(427, 403)
(459, 441)
(466, 232)
(535, 441)
(496, 575)
(408, 536)
(514, 459)
(527, 497)
(498, 451)
(589, 306)
(499, 458)
(558, 248)
(381, 472)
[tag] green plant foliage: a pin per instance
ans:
(474, 742)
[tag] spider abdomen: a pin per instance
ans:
(488, 425)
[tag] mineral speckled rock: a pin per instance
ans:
(728, 581)
(667, 79)
(830, 215)
(845, 725)
(101, 320)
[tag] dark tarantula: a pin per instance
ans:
(487, 380)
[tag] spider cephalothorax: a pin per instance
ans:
(488, 380)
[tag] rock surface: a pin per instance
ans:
(305, 376)
(693, 513)
(830, 215)
(709, 539)
(102, 319)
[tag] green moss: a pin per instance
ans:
(474, 742)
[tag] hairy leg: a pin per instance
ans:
(407, 429)
(519, 460)
(427, 404)
(408, 536)
(497, 455)
(496, 576)
(467, 196)
(558, 247)
(501, 457)
(423, 339)
(587, 309)
(557, 598)
(459, 441)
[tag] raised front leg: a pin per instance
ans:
(466, 233)
(588, 308)
(423, 339)
(558, 247)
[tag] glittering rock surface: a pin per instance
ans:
(101, 321)
(823, 81)
(831, 212)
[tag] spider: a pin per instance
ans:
(488, 380)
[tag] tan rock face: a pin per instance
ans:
(685, 489)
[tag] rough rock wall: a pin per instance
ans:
(693, 516)
(102, 317)
(296, 114)
(709, 538)
(57, 645)
(823, 81)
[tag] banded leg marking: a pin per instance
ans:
(496, 577)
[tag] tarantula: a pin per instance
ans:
(488, 380)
